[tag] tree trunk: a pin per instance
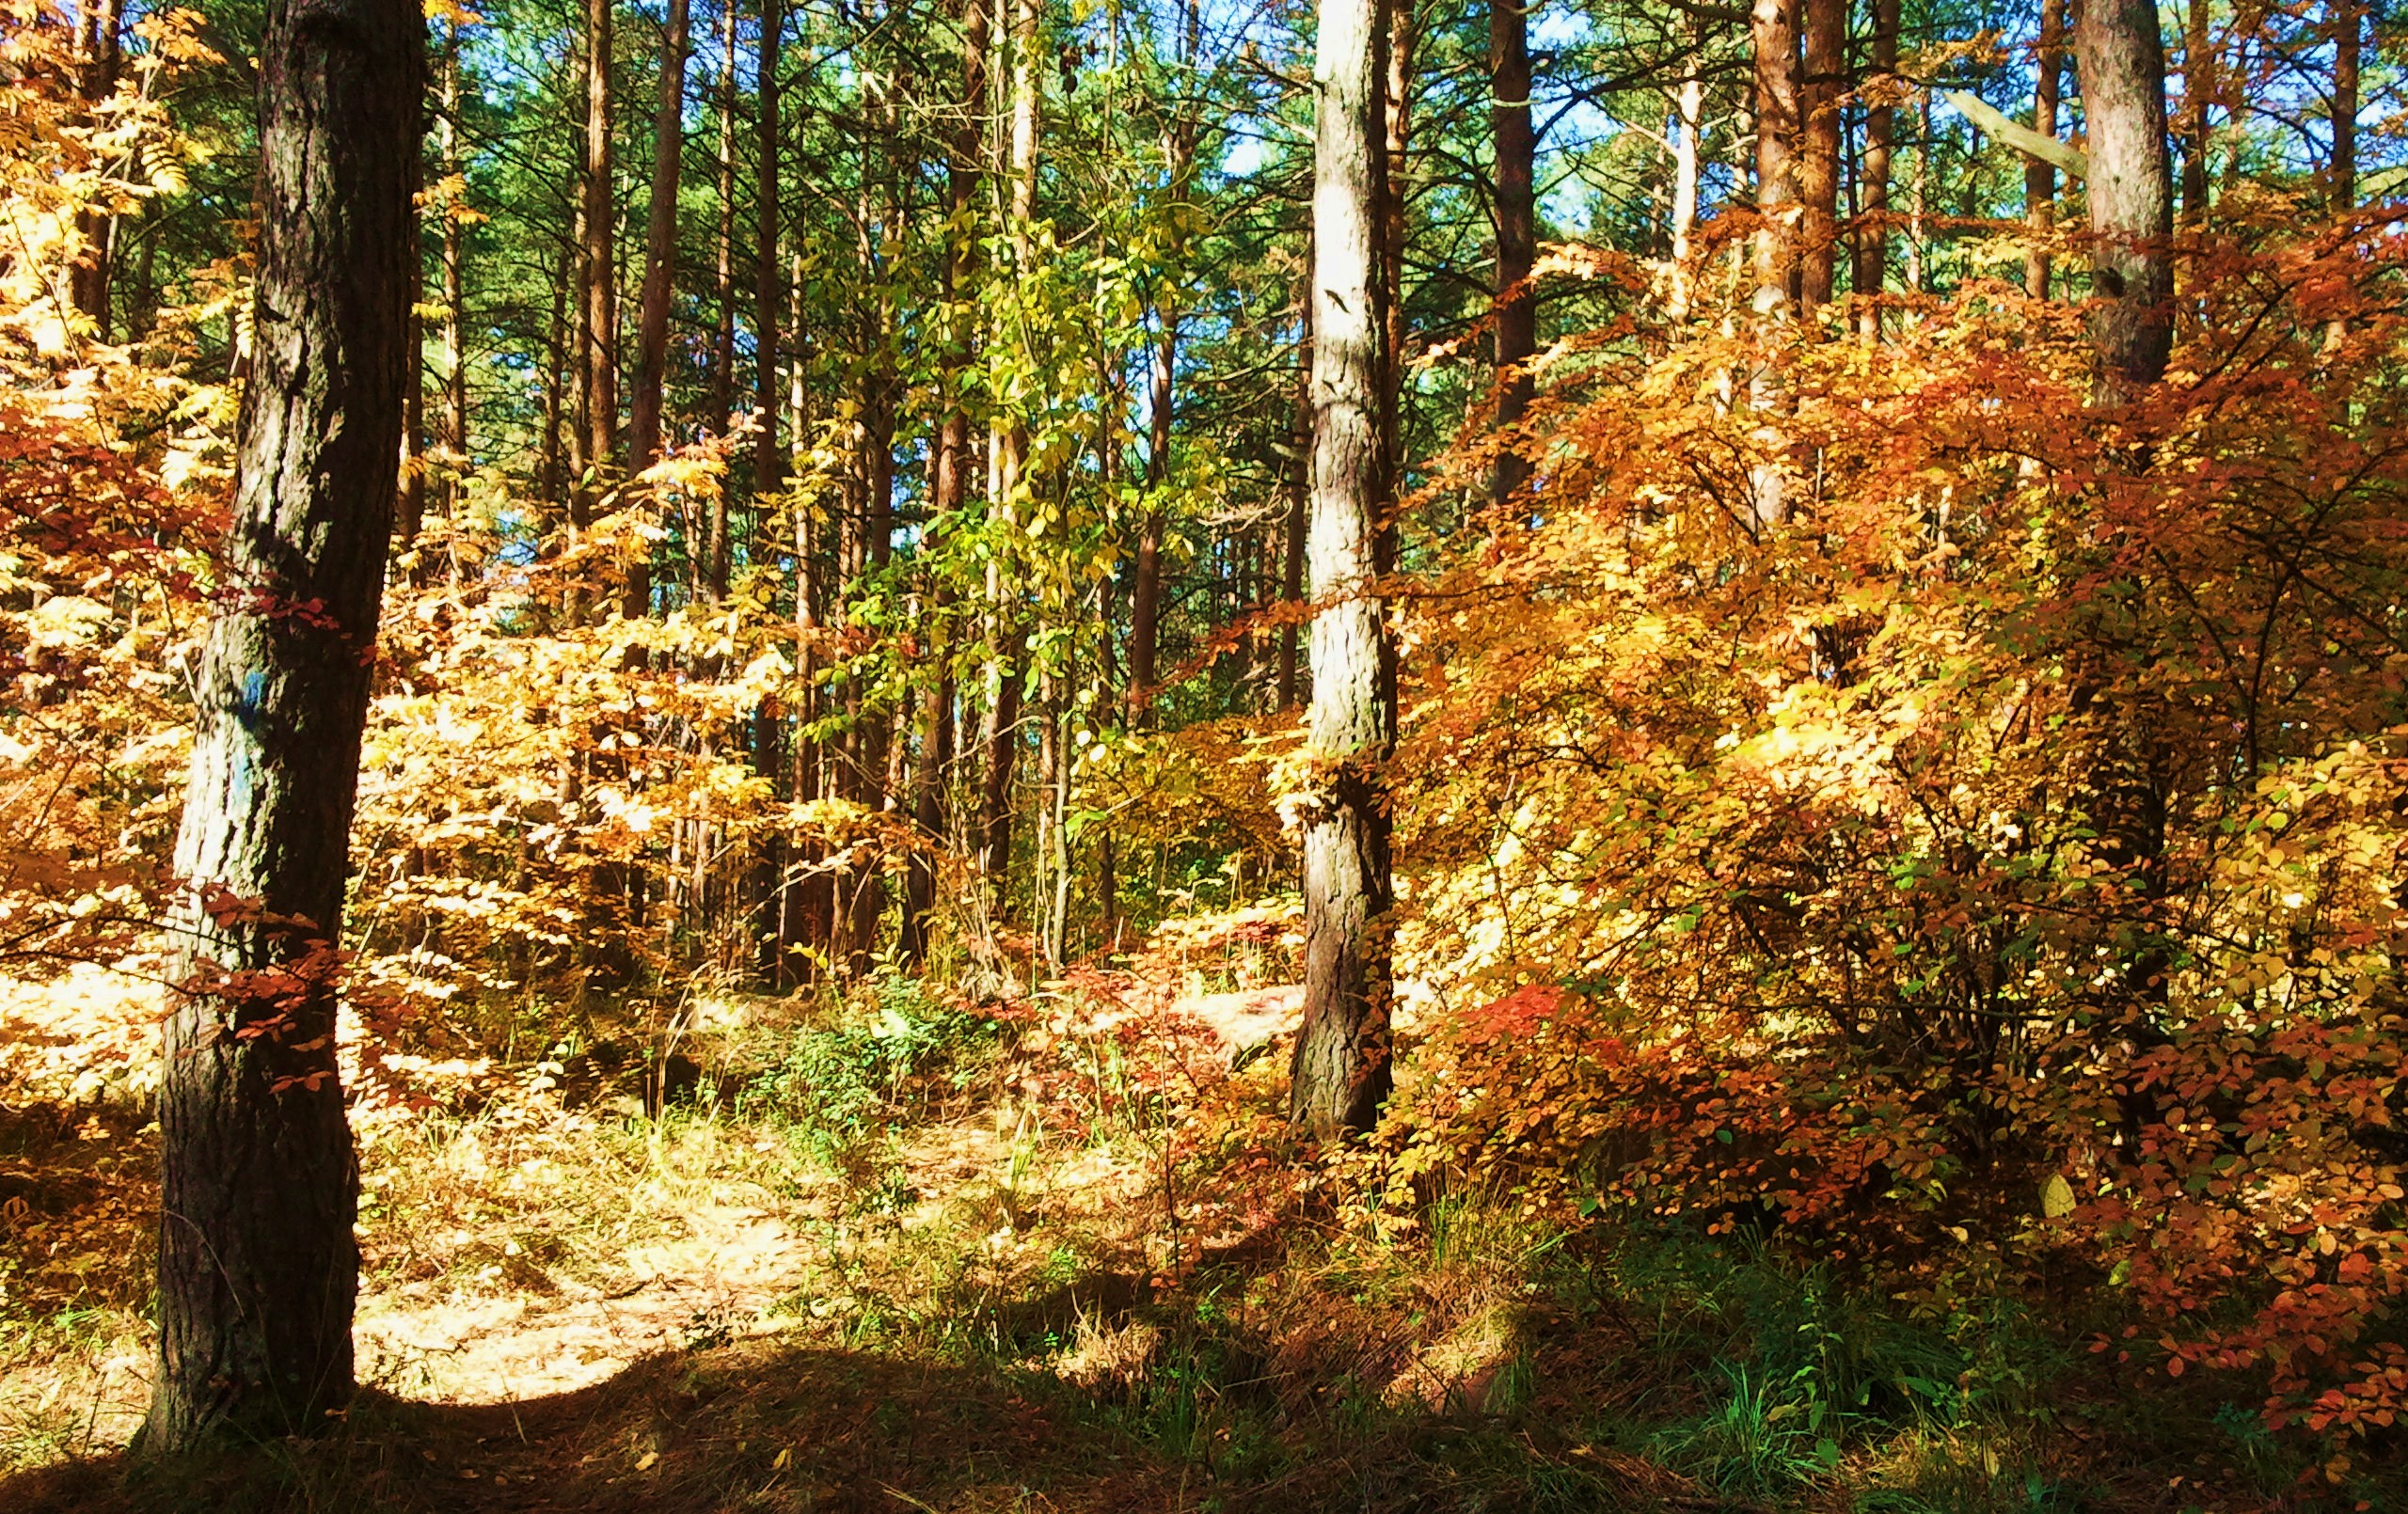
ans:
(1145, 591)
(100, 59)
(949, 489)
(2122, 60)
(768, 460)
(2039, 178)
(1341, 1074)
(258, 1265)
(1291, 563)
(2347, 21)
(1773, 27)
(660, 246)
(1872, 271)
(1823, 82)
(2198, 93)
(1689, 130)
(1516, 304)
(601, 313)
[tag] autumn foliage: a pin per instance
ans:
(1990, 871)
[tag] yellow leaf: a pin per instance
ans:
(2056, 1197)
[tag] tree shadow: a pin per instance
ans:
(766, 1426)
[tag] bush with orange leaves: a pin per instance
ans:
(1988, 865)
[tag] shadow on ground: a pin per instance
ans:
(773, 1426)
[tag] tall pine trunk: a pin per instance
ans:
(660, 247)
(1342, 1072)
(258, 1267)
(1872, 268)
(1822, 84)
(1516, 305)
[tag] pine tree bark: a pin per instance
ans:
(2122, 59)
(1516, 305)
(660, 247)
(769, 458)
(1341, 1071)
(1871, 270)
(1823, 82)
(2198, 93)
(1773, 29)
(601, 292)
(950, 488)
(258, 1267)
(2346, 20)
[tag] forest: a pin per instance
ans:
(1163, 755)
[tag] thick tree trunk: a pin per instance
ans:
(2122, 60)
(258, 1267)
(1872, 271)
(660, 247)
(1145, 589)
(2039, 178)
(1823, 82)
(1516, 305)
(1342, 1072)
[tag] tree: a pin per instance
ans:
(2121, 57)
(258, 1267)
(1340, 1074)
(1509, 68)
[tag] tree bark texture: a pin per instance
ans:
(1872, 271)
(660, 246)
(258, 1267)
(2347, 21)
(1773, 27)
(1823, 82)
(2040, 178)
(2122, 59)
(1516, 309)
(769, 459)
(1341, 1071)
(601, 293)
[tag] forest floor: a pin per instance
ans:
(1017, 1252)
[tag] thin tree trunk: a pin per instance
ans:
(2122, 60)
(711, 570)
(1822, 84)
(769, 459)
(100, 58)
(2198, 94)
(950, 488)
(258, 1265)
(1516, 304)
(1688, 130)
(1773, 28)
(2346, 19)
(601, 315)
(1872, 271)
(2040, 179)
(1291, 565)
(1341, 1070)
